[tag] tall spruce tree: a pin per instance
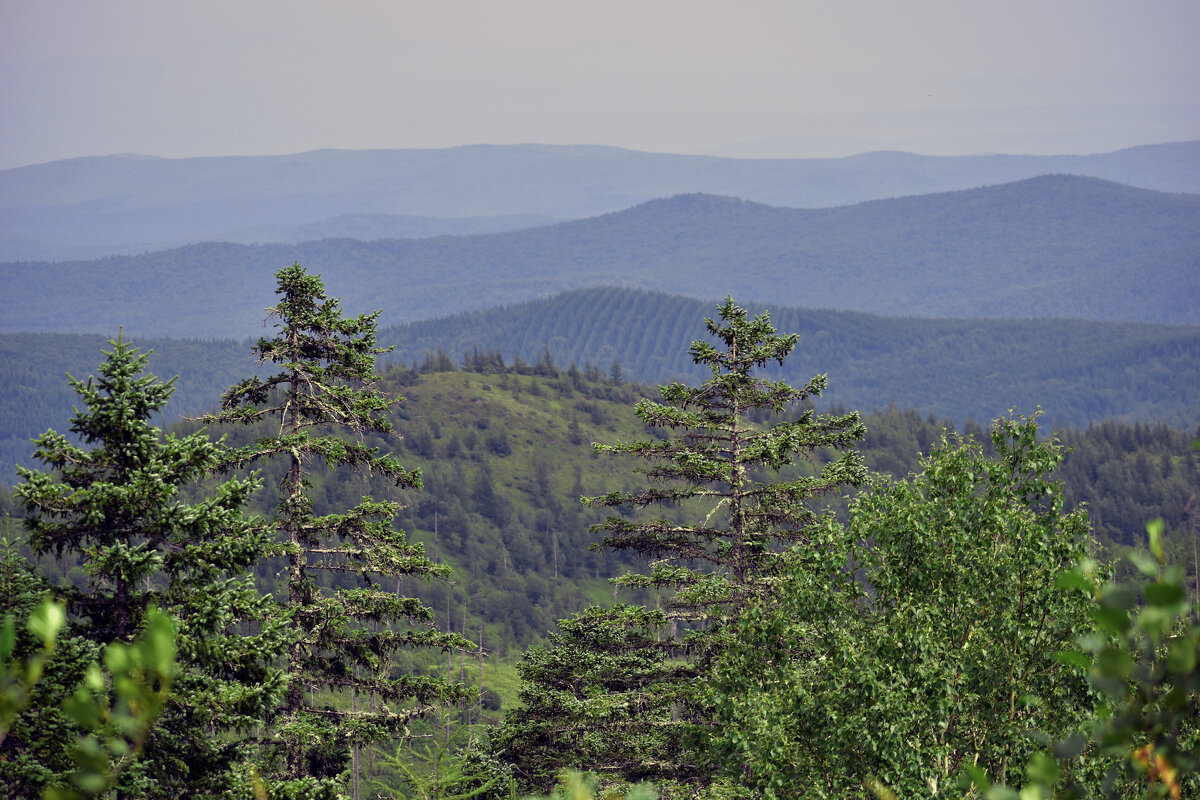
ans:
(723, 471)
(113, 502)
(726, 476)
(344, 689)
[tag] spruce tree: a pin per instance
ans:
(344, 689)
(599, 698)
(722, 469)
(726, 475)
(114, 502)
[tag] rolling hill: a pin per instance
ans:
(90, 207)
(1055, 247)
(1078, 371)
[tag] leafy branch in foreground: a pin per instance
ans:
(1144, 659)
(112, 710)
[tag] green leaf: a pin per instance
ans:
(1114, 662)
(1145, 563)
(1181, 657)
(978, 777)
(1001, 793)
(1155, 528)
(1073, 580)
(1074, 659)
(117, 658)
(8, 638)
(1164, 594)
(1042, 768)
(1111, 620)
(1120, 596)
(47, 621)
(1071, 747)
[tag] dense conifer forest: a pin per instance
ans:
(768, 591)
(1080, 372)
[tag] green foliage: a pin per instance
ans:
(574, 785)
(119, 509)
(615, 689)
(35, 751)
(100, 728)
(349, 629)
(720, 464)
(617, 695)
(1127, 473)
(517, 578)
(20, 677)
(918, 639)
(603, 695)
(117, 709)
(1144, 660)
(438, 773)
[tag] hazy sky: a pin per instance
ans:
(183, 78)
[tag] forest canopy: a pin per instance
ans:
(213, 617)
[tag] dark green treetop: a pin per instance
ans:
(344, 689)
(113, 502)
(722, 463)
(600, 697)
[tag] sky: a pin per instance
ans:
(744, 78)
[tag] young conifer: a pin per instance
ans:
(113, 502)
(344, 689)
(721, 468)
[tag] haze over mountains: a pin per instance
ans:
(1045, 283)
(88, 207)
(1053, 246)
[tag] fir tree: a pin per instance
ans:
(600, 697)
(721, 476)
(117, 508)
(343, 688)
(722, 464)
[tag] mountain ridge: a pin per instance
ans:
(1051, 246)
(101, 205)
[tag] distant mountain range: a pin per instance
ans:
(89, 207)
(386, 226)
(1053, 246)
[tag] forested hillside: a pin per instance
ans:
(90, 207)
(35, 395)
(1078, 371)
(506, 453)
